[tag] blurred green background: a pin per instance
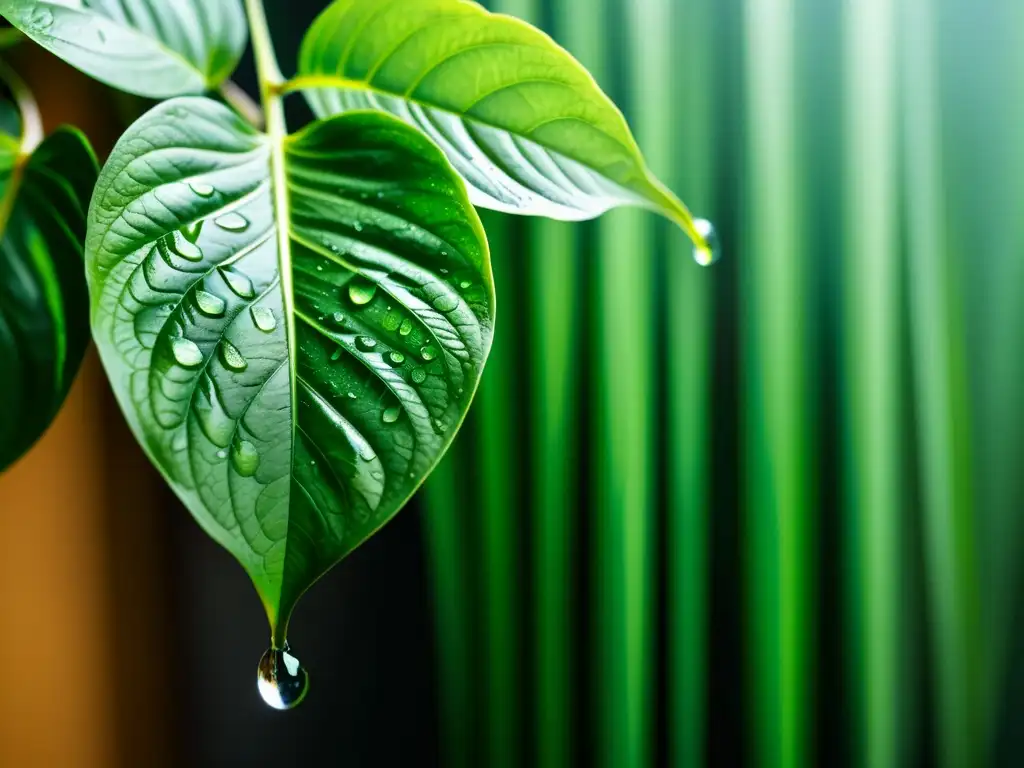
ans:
(766, 513)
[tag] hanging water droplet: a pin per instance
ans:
(201, 188)
(263, 318)
(231, 357)
(210, 305)
(391, 414)
(406, 328)
(419, 376)
(705, 256)
(238, 282)
(428, 353)
(446, 303)
(281, 679)
(361, 292)
(233, 222)
(395, 358)
(187, 353)
(245, 458)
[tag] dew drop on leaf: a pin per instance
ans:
(361, 292)
(336, 355)
(201, 189)
(210, 305)
(391, 414)
(395, 358)
(428, 352)
(391, 321)
(406, 328)
(263, 318)
(187, 353)
(281, 679)
(187, 249)
(705, 256)
(366, 343)
(238, 283)
(419, 376)
(351, 395)
(40, 19)
(231, 357)
(245, 458)
(446, 303)
(233, 222)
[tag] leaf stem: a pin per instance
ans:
(243, 103)
(270, 80)
(31, 118)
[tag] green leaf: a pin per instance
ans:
(294, 327)
(523, 122)
(43, 301)
(152, 48)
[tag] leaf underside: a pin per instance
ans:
(293, 416)
(43, 301)
(153, 48)
(523, 122)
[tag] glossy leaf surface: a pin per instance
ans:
(294, 346)
(153, 48)
(43, 301)
(523, 122)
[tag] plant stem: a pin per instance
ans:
(243, 104)
(268, 74)
(31, 119)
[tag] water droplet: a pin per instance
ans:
(391, 321)
(40, 19)
(358, 226)
(281, 679)
(187, 353)
(391, 414)
(222, 454)
(319, 267)
(231, 357)
(245, 458)
(361, 292)
(336, 355)
(366, 343)
(210, 305)
(446, 303)
(263, 318)
(201, 189)
(238, 283)
(465, 284)
(419, 376)
(351, 395)
(428, 352)
(187, 249)
(395, 358)
(705, 256)
(338, 318)
(441, 426)
(406, 328)
(233, 222)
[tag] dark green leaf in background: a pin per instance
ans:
(154, 48)
(43, 322)
(294, 326)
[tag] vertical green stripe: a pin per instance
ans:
(445, 535)
(943, 416)
(871, 270)
(777, 401)
(686, 139)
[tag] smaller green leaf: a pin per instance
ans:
(152, 48)
(43, 299)
(519, 118)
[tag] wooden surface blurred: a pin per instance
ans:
(80, 568)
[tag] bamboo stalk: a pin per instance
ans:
(778, 397)
(943, 416)
(872, 333)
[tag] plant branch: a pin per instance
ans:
(243, 103)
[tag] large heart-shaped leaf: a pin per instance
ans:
(154, 48)
(294, 327)
(520, 119)
(43, 318)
